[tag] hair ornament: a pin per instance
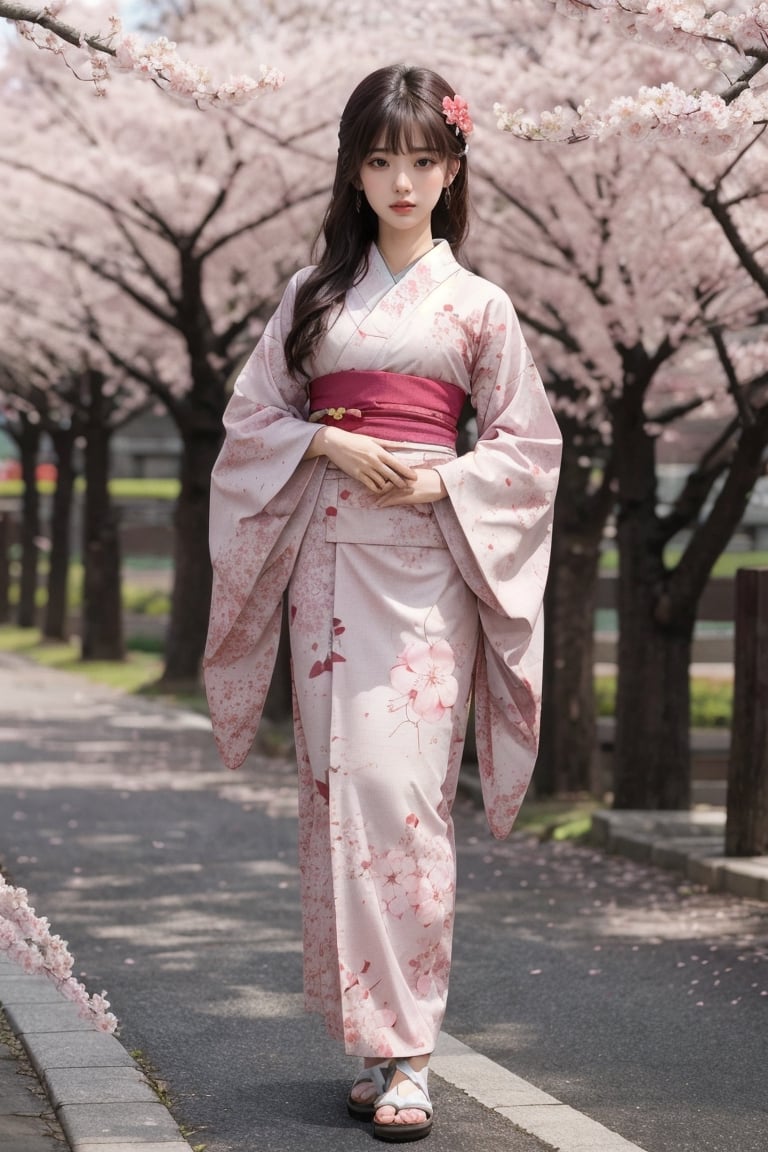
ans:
(456, 112)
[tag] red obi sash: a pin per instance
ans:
(388, 405)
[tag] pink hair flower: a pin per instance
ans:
(456, 112)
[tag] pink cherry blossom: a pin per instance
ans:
(724, 43)
(158, 61)
(27, 940)
(423, 673)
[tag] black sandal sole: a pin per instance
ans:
(402, 1133)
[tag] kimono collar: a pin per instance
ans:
(437, 257)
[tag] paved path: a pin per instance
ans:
(635, 1002)
(27, 1120)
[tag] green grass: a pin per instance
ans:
(144, 563)
(144, 489)
(15, 487)
(136, 672)
(120, 488)
(726, 565)
(136, 598)
(557, 819)
(145, 601)
(711, 701)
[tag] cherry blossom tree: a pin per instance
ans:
(26, 415)
(657, 602)
(613, 306)
(29, 375)
(194, 222)
(56, 383)
(189, 257)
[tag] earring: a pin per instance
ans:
(447, 195)
(358, 200)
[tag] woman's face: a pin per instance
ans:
(402, 188)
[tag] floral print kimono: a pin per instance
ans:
(397, 616)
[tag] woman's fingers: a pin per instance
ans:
(388, 470)
(381, 482)
(397, 465)
(367, 459)
(428, 488)
(399, 475)
(397, 471)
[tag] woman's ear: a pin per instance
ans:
(450, 174)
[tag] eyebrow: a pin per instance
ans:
(432, 151)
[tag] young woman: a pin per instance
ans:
(413, 576)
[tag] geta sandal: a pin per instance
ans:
(396, 1133)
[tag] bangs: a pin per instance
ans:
(407, 126)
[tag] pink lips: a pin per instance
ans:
(402, 206)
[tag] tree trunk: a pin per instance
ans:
(102, 620)
(652, 749)
(746, 829)
(6, 535)
(191, 598)
(652, 744)
(55, 622)
(568, 727)
(29, 445)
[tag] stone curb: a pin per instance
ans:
(692, 843)
(555, 1124)
(101, 1098)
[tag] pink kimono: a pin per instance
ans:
(396, 616)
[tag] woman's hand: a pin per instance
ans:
(362, 458)
(427, 488)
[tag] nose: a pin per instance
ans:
(402, 181)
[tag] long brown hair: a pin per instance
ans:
(401, 106)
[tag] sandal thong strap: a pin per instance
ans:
(418, 1099)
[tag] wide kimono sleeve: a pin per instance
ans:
(262, 495)
(497, 522)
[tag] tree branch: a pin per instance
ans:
(272, 214)
(676, 411)
(19, 13)
(746, 414)
(145, 302)
(712, 535)
(104, 202)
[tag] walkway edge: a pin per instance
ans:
(689, 842)
(101, 1098)
(525, 1106)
